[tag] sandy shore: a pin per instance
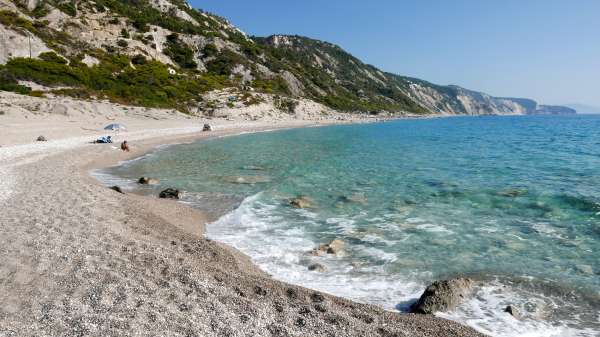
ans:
(79, 259)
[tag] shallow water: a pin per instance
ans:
(512, 201)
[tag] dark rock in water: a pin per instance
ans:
(317, 267)
(147, 181)
(118, 189)
(170, 193)
(41, 139)
(513, 311)
(301, 202)
(443, 296)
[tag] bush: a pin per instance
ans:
(124, 33)
(276, 85)
(179, 52)
(51, 56)
(286, 104)
(138, 59)
(122, 43)
(224, 63)
(210, 50)
(68, 8)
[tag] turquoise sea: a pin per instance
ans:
(511, 201)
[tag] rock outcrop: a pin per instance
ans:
(443, 295)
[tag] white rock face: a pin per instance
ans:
(90, 60)
(169, 8)
(246, 74)
(296, 87)
(17, 44)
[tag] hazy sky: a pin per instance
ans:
(548, 50)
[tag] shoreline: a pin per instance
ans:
(96, 250)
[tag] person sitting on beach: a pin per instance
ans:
(125, 146)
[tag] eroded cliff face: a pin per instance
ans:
(15, 43)
(195, 44)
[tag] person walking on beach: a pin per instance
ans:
(125, 146)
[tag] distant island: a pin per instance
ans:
(554, 110)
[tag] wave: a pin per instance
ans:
(258, 229)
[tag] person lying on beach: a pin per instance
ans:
(104, 140)
(125, 146)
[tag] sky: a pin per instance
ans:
(548, 50)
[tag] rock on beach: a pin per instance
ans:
(443, 295)
(170, 193)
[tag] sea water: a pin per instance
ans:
(513, 202)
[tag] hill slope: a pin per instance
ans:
(164, 53)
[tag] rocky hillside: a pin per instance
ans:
(163, 53)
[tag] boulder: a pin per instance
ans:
(170, 193)
(317, 267)
(207, 127)
(117, 189)
(513, 311)
(301, 202)
(41, 139)
(335, 247)
(443, 295)
(147, 181)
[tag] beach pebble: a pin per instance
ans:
(170, 193)
(443, 295)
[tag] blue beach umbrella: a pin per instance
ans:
(115, 127)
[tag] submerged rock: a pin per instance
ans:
(247, 180)
(301, 202)
(148, 181)
(170, 193)
(512, 193)
(358, 198)
(513, 311)
(443, 296)
(317, 267)
(253, 168)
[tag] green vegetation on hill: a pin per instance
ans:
(148, 84)
(179, 52)
(348, 84)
